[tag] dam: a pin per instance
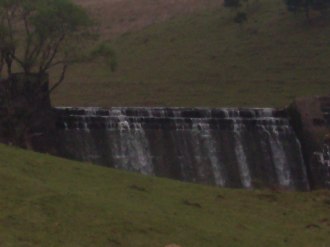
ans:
(226, 147)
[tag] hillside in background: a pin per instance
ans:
(200, 57)
(47, 201)
(116, 17)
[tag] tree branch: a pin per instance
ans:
(36, 51)
(28, 35)
(47, 64)
(60, 80)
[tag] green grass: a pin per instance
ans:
(48, 201)
(206, 60)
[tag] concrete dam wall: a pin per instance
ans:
(227, 147)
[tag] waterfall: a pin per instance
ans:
(131, 150)
(241, 157)
(279, 157)
(204, 146)
(227, 147)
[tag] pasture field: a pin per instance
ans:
(175, 56)
(48, 201)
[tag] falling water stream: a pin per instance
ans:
(227, 147)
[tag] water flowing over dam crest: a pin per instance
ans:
(227, 147)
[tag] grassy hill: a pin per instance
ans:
(48, 201)
(202, 58)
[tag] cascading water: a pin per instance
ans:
(225, 147)
(279, 157)
(131, 148)
(240, 154)
(204, 147)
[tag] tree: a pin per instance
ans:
(241, 16)
(296, 6)
(232, 3)
(37, 36)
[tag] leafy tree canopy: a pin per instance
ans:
(37, 35)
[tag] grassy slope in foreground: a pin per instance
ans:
(207, 60)
(48, 201)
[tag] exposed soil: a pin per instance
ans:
(121, 16)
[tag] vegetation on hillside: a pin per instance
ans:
(204, 59)
(47, 201)
(321, 6)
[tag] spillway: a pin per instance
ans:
(226, 147)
